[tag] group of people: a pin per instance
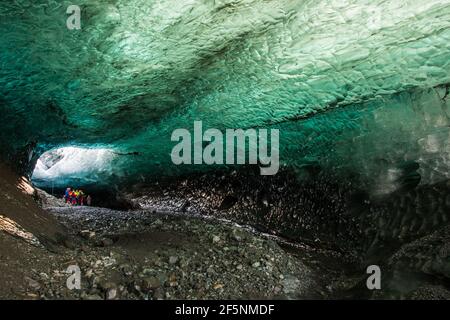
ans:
(77, 197)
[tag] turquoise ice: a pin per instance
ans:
(352, 85)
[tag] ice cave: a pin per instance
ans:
(359, 91)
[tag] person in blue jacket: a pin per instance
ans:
(67, 195)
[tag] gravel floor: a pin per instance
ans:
(148, 255)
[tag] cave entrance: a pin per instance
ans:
(74, 167)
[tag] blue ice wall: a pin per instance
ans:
(352, 85)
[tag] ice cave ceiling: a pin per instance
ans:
(351, 84)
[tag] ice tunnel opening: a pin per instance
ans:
(87, 168)
(77, 166)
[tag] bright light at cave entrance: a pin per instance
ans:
(71, 164)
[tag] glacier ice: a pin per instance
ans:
(73, 165)
(352, 84)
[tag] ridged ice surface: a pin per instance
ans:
(351, 84)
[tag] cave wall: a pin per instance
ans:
(319, 209)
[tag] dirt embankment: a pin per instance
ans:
(27, 234)
(17, 204)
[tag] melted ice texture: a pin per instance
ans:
(352, 84)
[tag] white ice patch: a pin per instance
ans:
(73, 163)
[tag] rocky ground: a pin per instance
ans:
(149, 255)
(142, 254)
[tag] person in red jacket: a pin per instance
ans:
(73, 198)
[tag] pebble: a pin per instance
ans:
(87, 234)
(93, 297)
(173, 260)
(151, 283)
(33, 283)
(111, 294)
(158, 294)
(217, 286)
(106, 242)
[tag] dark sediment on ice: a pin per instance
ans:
(324, 212)
(320, 209)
